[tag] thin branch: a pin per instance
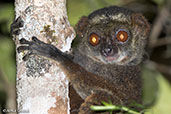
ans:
(161, 42)
(157, 26)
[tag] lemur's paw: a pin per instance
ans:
(35, 47)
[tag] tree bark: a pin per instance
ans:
(42, 88)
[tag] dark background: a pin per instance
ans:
(156, 71)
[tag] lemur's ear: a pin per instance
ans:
(141, 22)
(81, 25)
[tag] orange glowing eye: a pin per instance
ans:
(94, 39)
(122, 36)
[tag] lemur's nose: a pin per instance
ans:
(109, 50)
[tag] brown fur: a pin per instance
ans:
(94, 78)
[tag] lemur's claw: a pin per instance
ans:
(24, 41)
(26, 57)
(37, 41)
(34, 38)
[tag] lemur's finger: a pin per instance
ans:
(16, 31)
(16, 25)
(24, 41)
(35, 39)
(19, 22)
(22, 48)
(27, 56)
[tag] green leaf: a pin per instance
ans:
(163, 103)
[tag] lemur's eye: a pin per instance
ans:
(122, 35)
(94, 39)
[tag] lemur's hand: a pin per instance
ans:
(16, 26)
(36, 47)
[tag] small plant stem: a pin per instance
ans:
(113, 107)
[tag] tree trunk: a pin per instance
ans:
(42, 87)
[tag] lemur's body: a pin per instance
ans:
(106, 63)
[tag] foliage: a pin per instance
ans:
(111, 107)
(157, 90)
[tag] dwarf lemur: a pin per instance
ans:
(106, 64)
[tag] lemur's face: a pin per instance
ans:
(115, 36)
